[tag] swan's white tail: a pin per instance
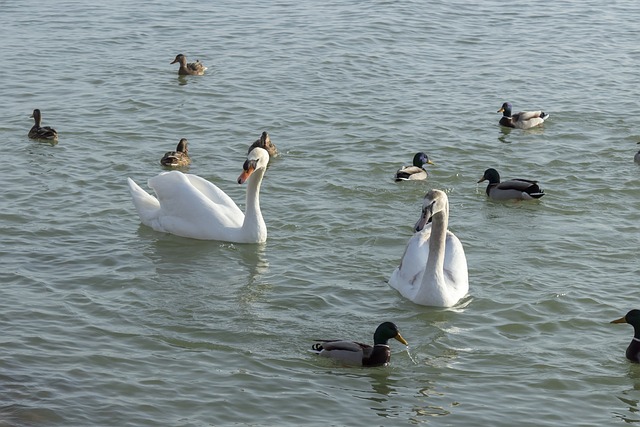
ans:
(146, 205)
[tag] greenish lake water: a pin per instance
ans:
(105, 322)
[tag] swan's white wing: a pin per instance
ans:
(186, 211)
(406, 278)
(147, 206)
(216, 195)
(455, 266)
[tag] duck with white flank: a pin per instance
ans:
(514, 189)
(521, 120)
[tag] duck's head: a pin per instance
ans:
(421, 159)
(490, 175)
(265, 140)
(257, 159)
(180, 58)
(182, 146)
(505, 109)
(36, 115)
(435, 201)
(632, 318)
(385, 332)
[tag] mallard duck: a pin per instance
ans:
(415, 171)
(433, 269)
(360, 354)
(264, 142)
(190, 206)
(636, 158)
(38, 132)
(190, 69)
(519, 189)
(521, 120)
(178, 158)
(632, 318)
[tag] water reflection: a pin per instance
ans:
(504, 133)
(632, 403)
(255, 261)
(177, 255)
(173, 255)
(386, 387)
(382, 385)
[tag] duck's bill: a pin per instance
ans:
(402, 340)
(620, 320)
(501, 110)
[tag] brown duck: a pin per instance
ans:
(189, 69)
(178, 158)
(265, 143)
(41, 132)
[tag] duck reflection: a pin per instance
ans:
(628, 397)
(504, 134)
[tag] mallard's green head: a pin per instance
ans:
(632, 318)
(490, 175)
(385, 332)
(505, 109)
(421, 159)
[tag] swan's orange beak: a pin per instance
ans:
(247, 169)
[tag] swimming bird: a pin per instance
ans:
(265, 142)
(360, 354)
(178, 158)
(518, 189)
(632, 318)
(636, 158)
(190, 206)
(190, 69)
(521, 120)
(433, 269)
(416, 171)
(41, 132)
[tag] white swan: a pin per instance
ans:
(433, 269)
(190, 206)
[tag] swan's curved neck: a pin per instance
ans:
(253, 221)
(437, 241)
